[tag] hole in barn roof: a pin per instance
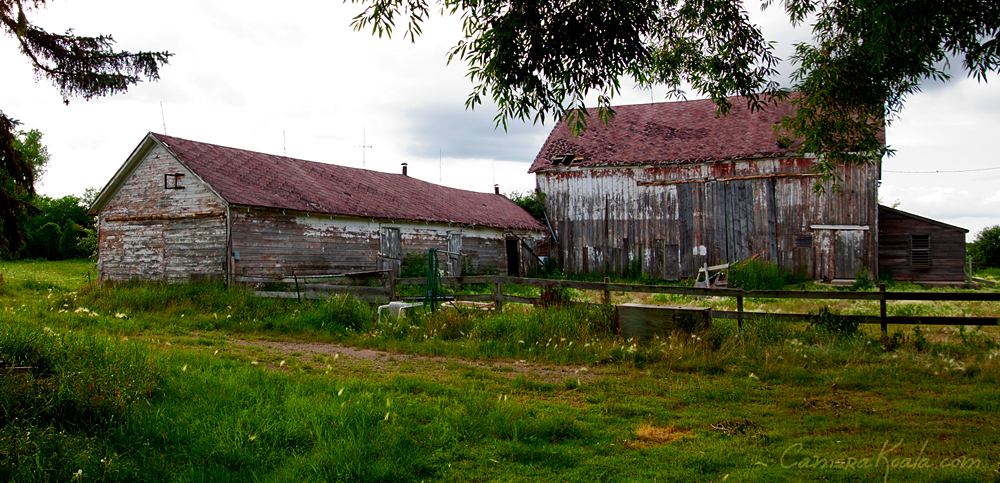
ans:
(565, 159)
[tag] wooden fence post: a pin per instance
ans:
(391, 284)
(607, 293)
(739, 310)
(497, 294)
(882, 310)
(298, 294)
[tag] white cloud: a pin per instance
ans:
(295, 76)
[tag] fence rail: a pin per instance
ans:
(321, 286)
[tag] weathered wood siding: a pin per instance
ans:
(670, 220)
(147, 232)
(947, 248)
(277, 243)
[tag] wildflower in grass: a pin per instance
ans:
(253, 437)
(520, 342)
(185, 368)
(341, 391)
(253, 362)
(281, 364)
(78, 310)
(754, 377)
(335, 356)
(120, 315)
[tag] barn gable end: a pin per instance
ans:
(159, 221)
(668, 188)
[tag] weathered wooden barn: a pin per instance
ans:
(919, 249)
(670, 187)
(181, 210)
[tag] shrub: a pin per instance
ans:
(414, 265)
(985, 250)
(862, 281)
(833, 322)
(533, 202)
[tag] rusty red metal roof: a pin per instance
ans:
(669, 133)
(256, 179)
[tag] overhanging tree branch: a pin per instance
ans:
(84, 67)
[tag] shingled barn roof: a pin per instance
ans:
(668, 133)
(263, 180)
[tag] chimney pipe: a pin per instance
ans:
(496, 189)
(404, 169)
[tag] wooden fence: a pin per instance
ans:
(322, 286)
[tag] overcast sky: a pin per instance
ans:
(294, 78)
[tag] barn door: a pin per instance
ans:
(513, 258)
(666, 260)
(390, 251)
(848, 253)
(739, 220)
(454, 259)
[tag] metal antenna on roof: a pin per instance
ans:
(364, 147)
(163, 118)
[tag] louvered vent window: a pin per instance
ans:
(920, 250)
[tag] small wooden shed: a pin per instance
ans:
(181, 210)
(919, 249)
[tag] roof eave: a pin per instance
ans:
(122, 174)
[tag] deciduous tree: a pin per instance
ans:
(539, 58)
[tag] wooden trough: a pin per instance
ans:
(645, 321)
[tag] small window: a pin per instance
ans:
(920, 250)
(172, 181)
(804, 241)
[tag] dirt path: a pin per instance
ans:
(397, 363)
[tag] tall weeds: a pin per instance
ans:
(757, 275)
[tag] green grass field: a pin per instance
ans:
(141, 382)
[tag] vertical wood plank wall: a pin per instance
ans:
(672, 229)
